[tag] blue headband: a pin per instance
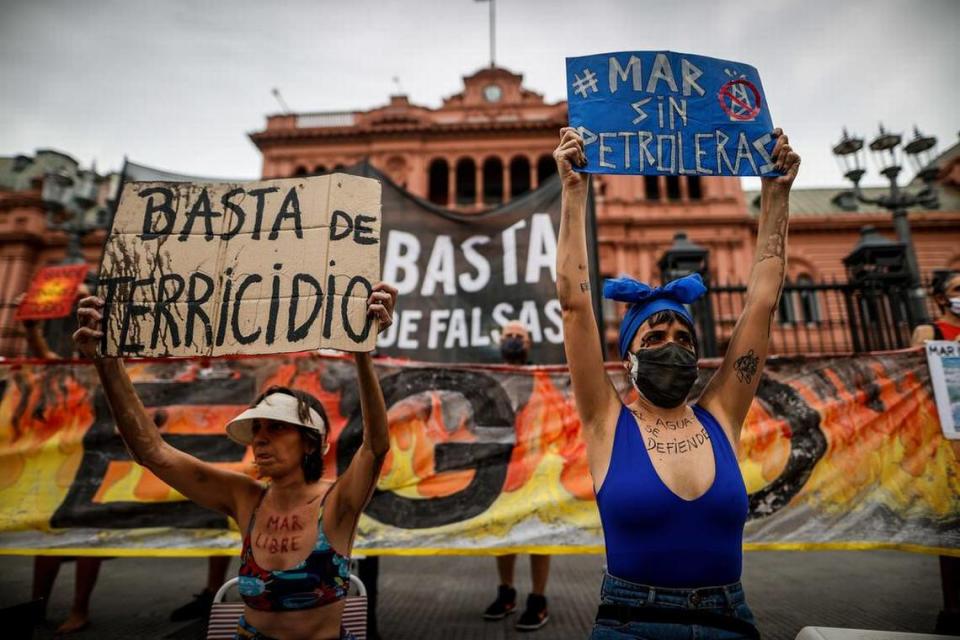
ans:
(646, 300)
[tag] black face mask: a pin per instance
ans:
(664, 375)
(512, 350)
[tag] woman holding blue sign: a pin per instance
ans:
(298, 528)
(670, 494)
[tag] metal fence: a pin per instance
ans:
(823, 317)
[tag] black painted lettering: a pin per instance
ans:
(239, 215)
(201, 208)
(345, 309)
(295, 333)
(291, 202)
(224, 308)
(132, 310)
(237, 304)
(274, 306)
(258, 217)
(331, 297)
(162, 308)
(359, 228)
(195, 308)
(111, 284)
(340, 218)
(154, 206)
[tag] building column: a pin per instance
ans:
(451, 186)
(534, 180)
(478, 171)
(662, 184)
(506, 181)
(17, 276)
(684, 189)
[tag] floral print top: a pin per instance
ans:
(321, 579)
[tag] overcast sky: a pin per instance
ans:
(178, 84)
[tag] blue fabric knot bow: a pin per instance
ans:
(645, 301)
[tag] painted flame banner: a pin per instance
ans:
(837, 452)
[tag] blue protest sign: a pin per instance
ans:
(667, 113)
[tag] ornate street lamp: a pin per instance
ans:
(887, 153)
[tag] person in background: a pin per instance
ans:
(946, 293)
(46, 568)
(515, 349)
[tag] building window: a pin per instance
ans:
(319, 169)
(300, 171)
(651, 186)
(809, 307)
(466, 181)
(492, 181)
(437, 191)
(693, 188)
(673, 188)
(546, 167)
(786, 314)
(519, 176)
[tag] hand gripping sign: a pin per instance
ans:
(262, 267)
(666, 113)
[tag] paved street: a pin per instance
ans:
(443, 597)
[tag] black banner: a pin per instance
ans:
(462, 276)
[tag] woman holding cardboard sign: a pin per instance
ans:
(671, 498)
(299, 529)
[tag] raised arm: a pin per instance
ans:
(356, 486)
(204, 483)
(730, 392)
(597, 400)
(37, 345)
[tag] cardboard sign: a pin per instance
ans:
(261, 267)
(52, 293)
(666, 113)
(943, 357)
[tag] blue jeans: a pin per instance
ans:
(727, 600)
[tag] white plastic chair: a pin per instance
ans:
(225, 615)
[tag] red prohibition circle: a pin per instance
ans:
(752, 111)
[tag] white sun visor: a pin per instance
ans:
(281, 407)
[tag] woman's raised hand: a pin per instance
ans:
(785, 160)
(381, 303)
(568, 154)
(89, 315)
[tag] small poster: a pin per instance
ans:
(52, 292)
(943, 356)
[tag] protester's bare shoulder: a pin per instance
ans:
(921, 334)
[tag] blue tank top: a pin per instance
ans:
(655, 537)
